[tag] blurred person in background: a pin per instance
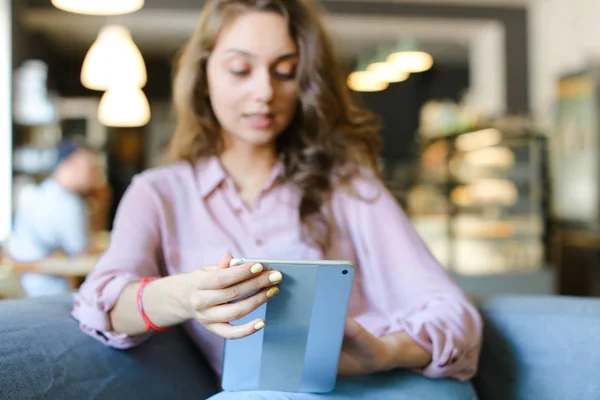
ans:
(52, 217)
(271, 159)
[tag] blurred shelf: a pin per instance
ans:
(483, 216)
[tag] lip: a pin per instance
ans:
(259, 120)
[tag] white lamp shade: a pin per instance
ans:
(411, 61)
(99, 7)
(113, 60)
(124, 106)
(365, 81)
(388, 72)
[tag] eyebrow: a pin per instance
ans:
(282, 57)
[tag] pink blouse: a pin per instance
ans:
(175, 219)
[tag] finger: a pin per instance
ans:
(356, 336)
(352, 330)
(348, 366)
(222, 278)
(242, 289)
(234, 311)
(229, 331)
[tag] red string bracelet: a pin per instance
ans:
(149, 324)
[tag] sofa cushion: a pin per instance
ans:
(542, 347)
(43, 354)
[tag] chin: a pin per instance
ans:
(259, 138)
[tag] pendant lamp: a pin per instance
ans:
(113, 60)
(409, 57)
(362, 80)
(99, 7)
(385, 71)
(124, 106)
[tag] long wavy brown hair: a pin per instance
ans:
(329, 136)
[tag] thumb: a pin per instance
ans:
(353, 330)
(224, 263)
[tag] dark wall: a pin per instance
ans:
(400, 104)
(514, 20)
(21, 47)
(65, 78)
(26, 44)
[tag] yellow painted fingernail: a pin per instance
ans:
(256, 268)
(272, 292)
(275, 276)
(259, 325)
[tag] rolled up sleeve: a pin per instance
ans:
(407, 289)
(134, 252)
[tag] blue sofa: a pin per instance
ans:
(540, 348)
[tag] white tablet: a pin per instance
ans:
(298, 350)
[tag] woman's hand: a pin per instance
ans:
(210, 293)
(362, 353)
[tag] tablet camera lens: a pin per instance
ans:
(345, 271)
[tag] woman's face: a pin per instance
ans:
(251, 77)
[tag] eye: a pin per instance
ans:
(238, 67)
(286, 72)
(285, 77)
(239, 72)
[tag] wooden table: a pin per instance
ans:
(74, 270)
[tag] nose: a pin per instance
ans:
(264, 86)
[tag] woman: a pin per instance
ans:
(273, 160)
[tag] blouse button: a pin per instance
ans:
(259, 242)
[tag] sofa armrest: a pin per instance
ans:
(540, 347)
(43, 354)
